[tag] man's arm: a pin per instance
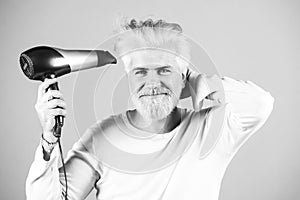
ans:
(43, 178)
(249, 103)
(248, 106)
(46, 180)
(246, 100)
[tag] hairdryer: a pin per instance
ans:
(43, 62)
(39, 62)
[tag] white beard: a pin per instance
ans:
(155, 107)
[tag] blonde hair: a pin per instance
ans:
(153, 34)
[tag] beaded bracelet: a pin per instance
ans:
(47, 146)
(49, 143)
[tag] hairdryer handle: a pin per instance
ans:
(59, 120)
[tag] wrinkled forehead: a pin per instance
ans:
(149, 58)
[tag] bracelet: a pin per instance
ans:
(47, 147)
(49, 143)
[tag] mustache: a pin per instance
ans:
(154, 90)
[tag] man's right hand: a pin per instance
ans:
(48, 105)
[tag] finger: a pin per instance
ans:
(56, 103)
(52, 94)
(58, 111)
(188, 74)
(44, 85)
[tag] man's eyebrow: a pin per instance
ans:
(139, 68)
(163, 67)
(146, 69)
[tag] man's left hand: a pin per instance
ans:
(201, 87)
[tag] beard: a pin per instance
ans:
(154, 102)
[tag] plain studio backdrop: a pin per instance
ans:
(254, 40)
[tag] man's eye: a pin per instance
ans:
(140, 72)
(164, 71)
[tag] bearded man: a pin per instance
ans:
(157, 150)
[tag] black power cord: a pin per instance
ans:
(64, 168)
(57, 131)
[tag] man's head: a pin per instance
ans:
(156, 56)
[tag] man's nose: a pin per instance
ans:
(153, 77)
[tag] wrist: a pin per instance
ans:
(47, 145)
(49, 137)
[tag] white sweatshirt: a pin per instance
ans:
(124, 163)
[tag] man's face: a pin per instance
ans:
(155, 83)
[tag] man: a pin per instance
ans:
(158, 150)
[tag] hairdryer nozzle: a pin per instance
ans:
(105, 57)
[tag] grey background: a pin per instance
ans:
(254, 40)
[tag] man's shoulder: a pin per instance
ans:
(101, 128)
(108, 123)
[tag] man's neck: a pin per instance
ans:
(156, 126)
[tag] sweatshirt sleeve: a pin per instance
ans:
(248, 107)
(45, 179)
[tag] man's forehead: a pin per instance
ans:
(149, 57)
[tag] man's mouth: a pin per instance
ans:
(157, 94)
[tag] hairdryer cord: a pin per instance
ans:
(63, 165)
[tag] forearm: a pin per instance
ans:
(247, 101)
(249, 105)
(46, 181)
(43, 179)
(244, 97)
